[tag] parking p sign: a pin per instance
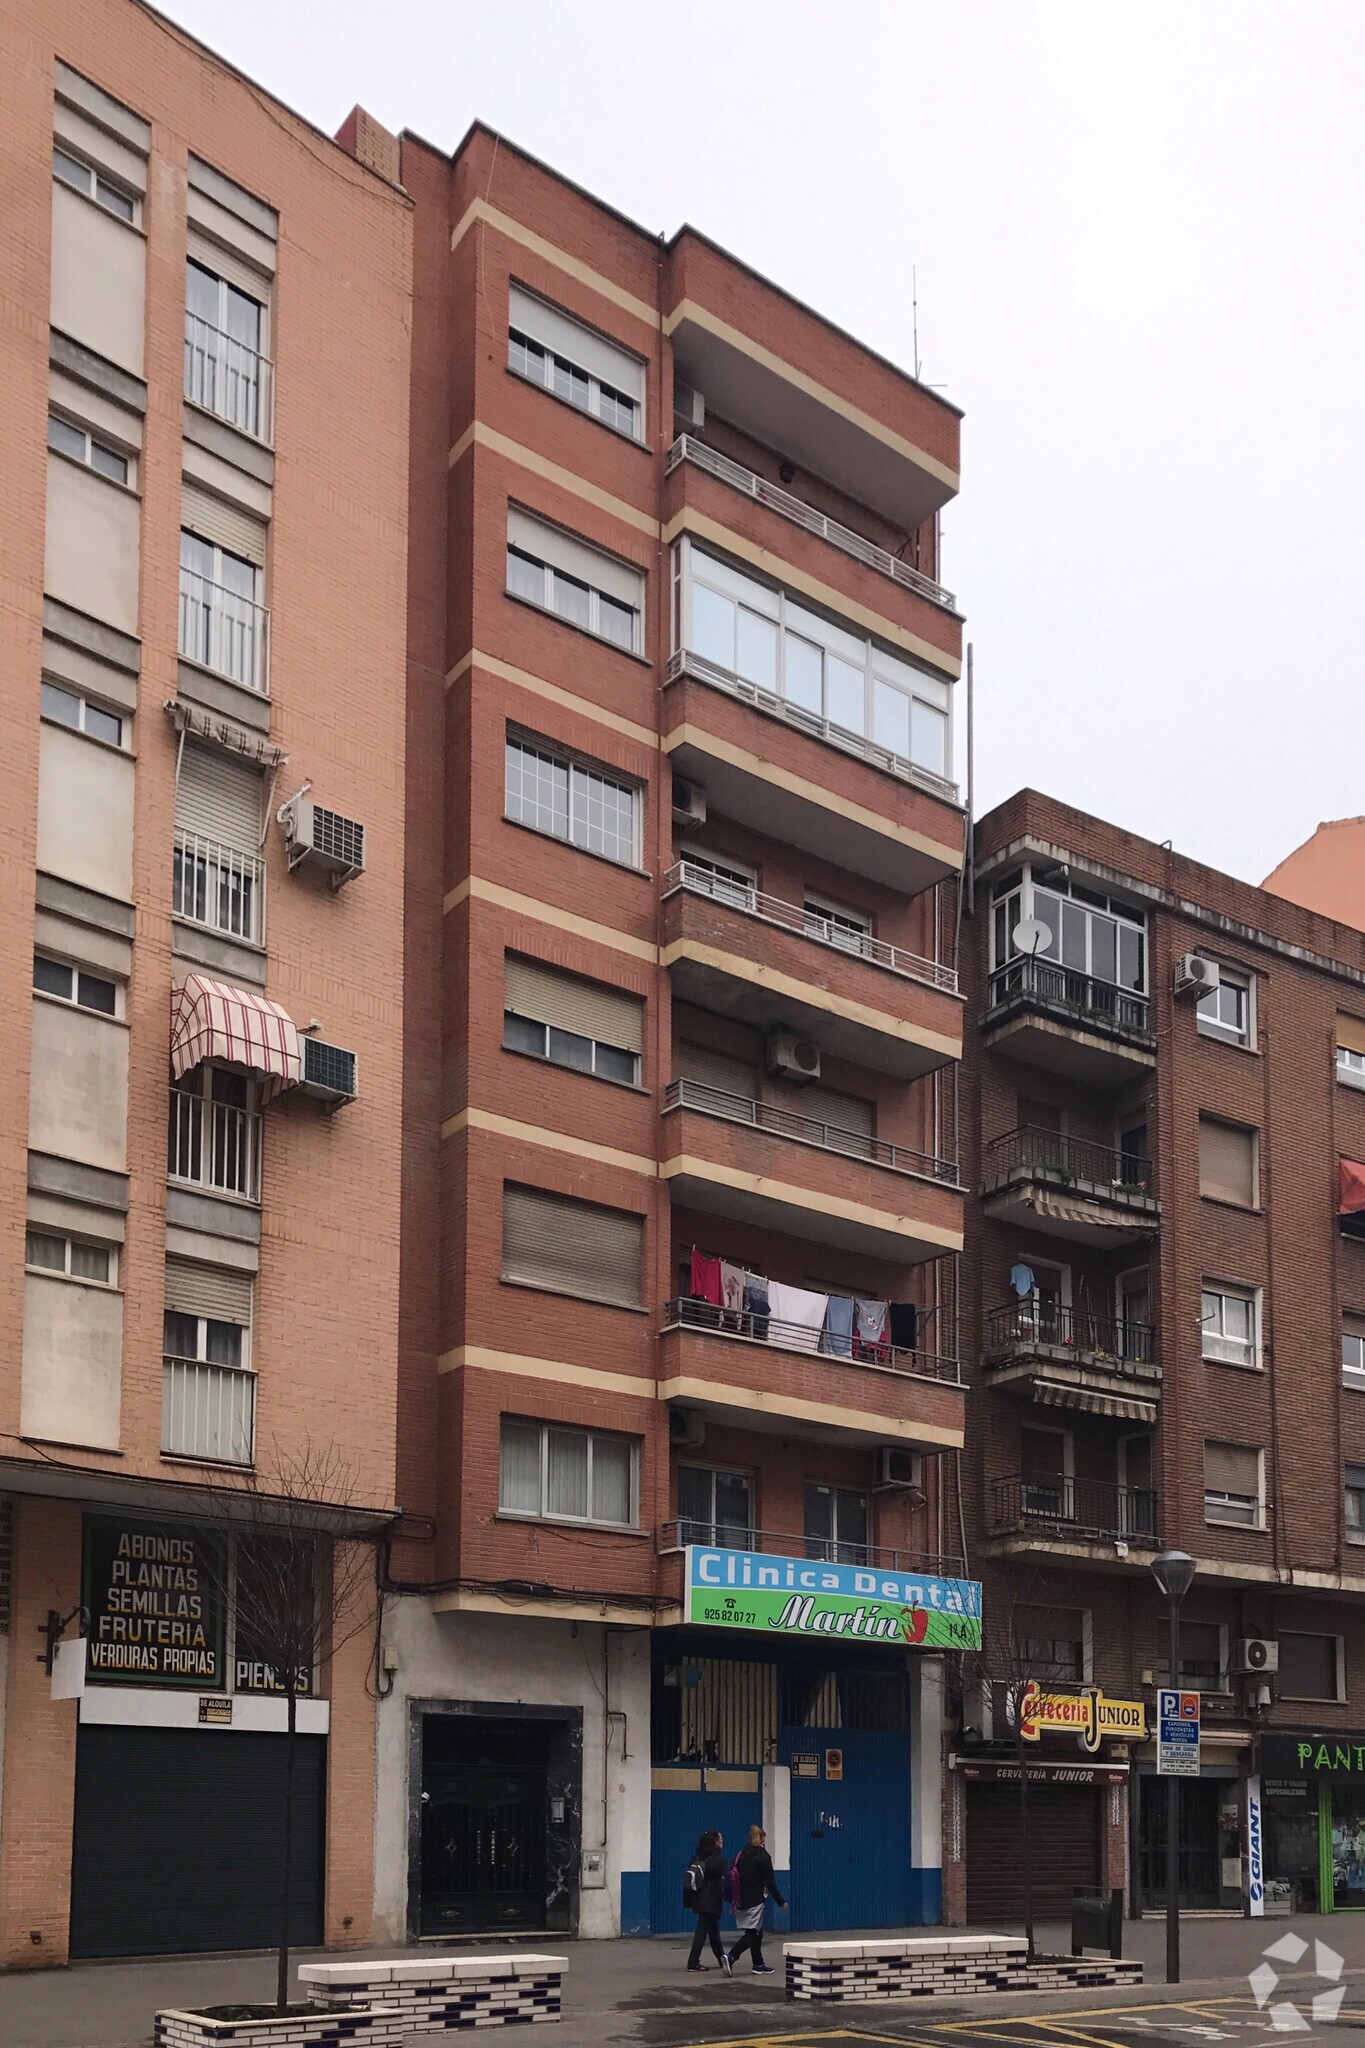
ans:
(1177, 1733)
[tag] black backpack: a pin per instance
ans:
(694, 1877)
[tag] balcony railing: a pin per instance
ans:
(224, 631)
(686, 663)
(737, 1324)
(218, 887)
(1122, 1344)
(1045, 1503)
(703, 881)
(687, 449)
(208, 1411)
(1120, 1176)
(805, 1130)
(214, 1145)
(228, 377)
(677, 1534)
(1083, 996)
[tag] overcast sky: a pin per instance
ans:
(1138, 235)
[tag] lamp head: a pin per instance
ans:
(1173, 1571)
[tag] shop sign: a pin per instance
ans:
(793, 1596)
(1086, 1714)
(154, 1595)
(215, 1710)
(1314, 1756)
(1040, 1772)
(806, 1764)
(1255, 1851)
(1177, 1733)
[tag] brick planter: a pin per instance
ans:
(942, 1966)
(381, 2005)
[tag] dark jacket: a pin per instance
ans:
(709, 1897)
(756, 1880)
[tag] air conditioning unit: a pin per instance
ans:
(689, 408)
(1253, 1656)
(686, 1427)
(334, 843)
(689, 804)
(1193, 971)
(328, 1073)
(791, 1058)
(899, 1468)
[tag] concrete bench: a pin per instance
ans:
(938, 1966)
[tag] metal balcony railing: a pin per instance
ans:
(677, 1534)
(218, 887)
(1044, 1502)
(224, 631)
(805, 1130)
(710, 1321)
(686, 663)
(227, 377)
(688, 449)
(1120, 1176)
(214, 1145)
(1082, 996)
(208, 1411)
(1120, 1343)
(698, 880)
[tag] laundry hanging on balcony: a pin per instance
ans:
(210, 1020)
(799, 1313)
(1351, 1186)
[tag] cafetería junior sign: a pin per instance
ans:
(1087, 1714)
(796, 1596)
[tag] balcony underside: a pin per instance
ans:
(1060, 1045)
(1058, 1377)
(1079, 1211)
(1103, 1550)
(885, 1228)
(742, 1384)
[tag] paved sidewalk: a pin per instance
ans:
(635, 1994)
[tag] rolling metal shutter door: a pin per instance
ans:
(572, 1247)
(570, 1004)
(179, 1833)
(564, 551)
(1064, 1840)
(227, 526)
(213, 1291)
(219, 798)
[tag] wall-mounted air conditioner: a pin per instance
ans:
(1253, 1656)
(686, 1427)
(689, 804)
(328, 1073)
(900, 1468)
(1194, 973)
(791, 1058)
(689, 408)
(332, 843)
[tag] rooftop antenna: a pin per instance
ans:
(914, 316)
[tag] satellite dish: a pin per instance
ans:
(1030, 935)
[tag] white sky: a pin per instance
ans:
(1138, 236)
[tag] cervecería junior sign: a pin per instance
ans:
(795, 1596)
(154, 1595)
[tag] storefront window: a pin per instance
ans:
(1291, 1847)
(1348, 1845)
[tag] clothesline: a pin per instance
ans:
(721, 1258)
(811, 1319)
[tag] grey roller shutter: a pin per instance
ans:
(195, 1290)
(708, 1069)
(843, 1112)
(1231, 1468)
(1227, 1162)
(227, 264)
(576, 558)
(552, 1241)
(227, 526)
(579, 345)
(572, 1004)
(219, 798)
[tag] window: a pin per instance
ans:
(847, 929)
(836, 1525)
(714, 1507)
(1227, 1163)
(203, 1338)
(1309, 1666)
(1350, 1066)
(1050, 1644)
(1230, 1323)
(579, 583)
(214, 1132)
(64, 438)
(570, 800)
(1089, 932)
(1047, 1462)
(1203, 1663)
(1233, 1485)
(852, 688)
(225, 370)
(725, 880)
(567, 1475)
(1355, 1503)
(82, 177)
(222, 623)
(49, 1252)
(571, 1247)
(1226, 1011)
(578, 365)
(68, 707)
(571, 1022)
(1353, 1350)
(208, 1392)
(74, 985)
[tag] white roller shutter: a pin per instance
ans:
(579, 345)
(571, 1247)
(607, 573)
(227, 264)
(219, 798)
(227, 526)
(572, 1004)
(215, 1291)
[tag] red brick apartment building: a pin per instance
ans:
(1165, 1289)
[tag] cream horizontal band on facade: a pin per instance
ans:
(808, 1198)
(537, 685)
(548, 913)
(492, 216)
(779, 1406)
(552, 472)
(782, 571)
(468, 1600)
(553, 1141)
(740, 969)
(688, 309)
(478, 1358)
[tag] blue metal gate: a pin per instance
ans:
(850, 1836)
(675, 1820)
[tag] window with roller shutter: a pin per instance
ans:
(1227, 1163)
(566, 1246)
(571, 1021)
(219, 798)
(1233, 1485)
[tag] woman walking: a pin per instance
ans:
(754, 1885)
(704, 1892)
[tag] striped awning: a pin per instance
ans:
(1123, 1407)
(226, 734)
(1073, 1209)
(212, 1021)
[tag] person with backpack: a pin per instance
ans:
(704, 1894)
(752, 1884)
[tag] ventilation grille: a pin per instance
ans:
(329, 1069)
(339, 839)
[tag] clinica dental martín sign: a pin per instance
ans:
(797, 1596)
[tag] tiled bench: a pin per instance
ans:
(383, 2005)
(939, 1966)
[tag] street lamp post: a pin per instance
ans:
(1173, 1570)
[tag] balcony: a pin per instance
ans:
(224, 632)
(208, 1412)
(1069, 1188)
(1075, 1517)
(228, 378)
(1069, 1358)
(761, 1163)
(219, 888)
(758, 1373)
(768, 963)
(1069, 1023)
(214, 1145)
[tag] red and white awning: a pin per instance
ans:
(210, 1020)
